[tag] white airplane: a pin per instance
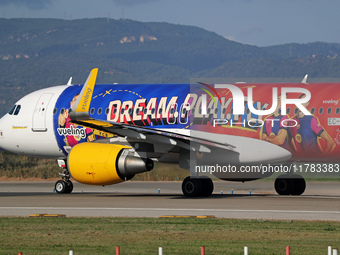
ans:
(105, 134)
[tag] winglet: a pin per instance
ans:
(304, 80)
(80, 109)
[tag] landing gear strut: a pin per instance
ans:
(290, 185)
(197, 187)
(64, 186)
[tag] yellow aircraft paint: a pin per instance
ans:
(95, 163)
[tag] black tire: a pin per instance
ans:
(60, 187)
(299, 185)
(69, 187)
(207, 186)
(192, 187)
(283, 185)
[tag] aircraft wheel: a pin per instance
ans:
(299, 185)
(69, 187)
(61, 187)
(192, 187)
(293, 185)
(207, 186)
(283, 185)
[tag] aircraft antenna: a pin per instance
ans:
(304, 80)
(69, 82)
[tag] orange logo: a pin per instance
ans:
(91, 173)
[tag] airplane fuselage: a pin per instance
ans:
(37, 129)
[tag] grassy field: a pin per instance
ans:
(175, 235)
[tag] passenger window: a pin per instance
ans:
(312, 111)
(288, 110)
(337, 110)
(92, 111)
(100, 110)
(55, 110)
(17, 110)
(107, 111)
(321, 110)
(329, 110)
(296, 110)
(12, 110)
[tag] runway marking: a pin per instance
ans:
(303, 196)
(168, 209)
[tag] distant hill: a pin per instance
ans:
(37, 53)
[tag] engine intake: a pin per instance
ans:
(104, 164)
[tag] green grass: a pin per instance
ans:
(175, 235)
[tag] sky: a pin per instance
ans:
(255, 22)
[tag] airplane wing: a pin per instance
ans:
(184, 141)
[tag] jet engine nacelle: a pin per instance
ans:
(104, 164)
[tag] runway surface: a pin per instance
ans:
(321, 200)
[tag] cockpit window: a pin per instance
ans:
(12, 110)
(17, 110)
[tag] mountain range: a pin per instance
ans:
(37, 53)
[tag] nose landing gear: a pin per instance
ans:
(64, 186)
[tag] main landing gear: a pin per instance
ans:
(64, 186)
(197, 187)
(290, 184)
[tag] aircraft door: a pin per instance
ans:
(39, 114)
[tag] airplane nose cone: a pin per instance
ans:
(1, 137)
(2, 134)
